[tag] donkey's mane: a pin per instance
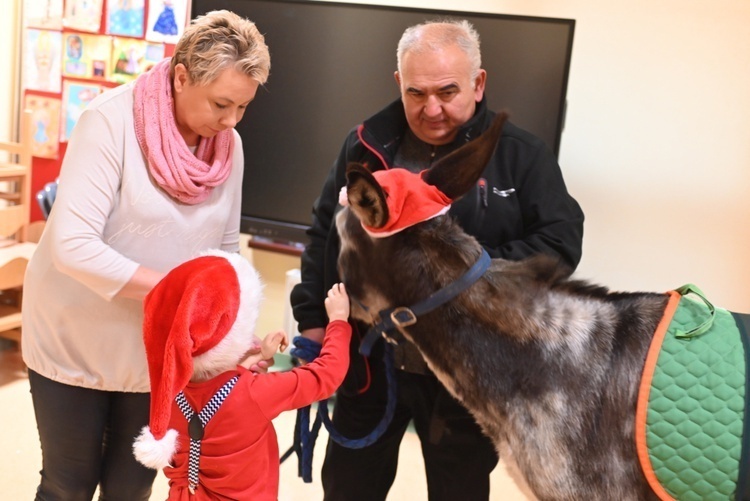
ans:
(444, 235)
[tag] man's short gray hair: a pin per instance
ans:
(440, 33)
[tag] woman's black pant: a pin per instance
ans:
(87, 441)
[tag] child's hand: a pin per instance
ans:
(260, 356)
(272, 342)
(337, 303)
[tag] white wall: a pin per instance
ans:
(656, 146)
(657, 141)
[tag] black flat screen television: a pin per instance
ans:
(332, 66)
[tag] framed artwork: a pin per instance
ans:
(125, 18)
(166, 20)
(132, 57)
(41, 60)
(86, 56)
(83, 15)
(43, 14)
(45, 119)
(76, 96)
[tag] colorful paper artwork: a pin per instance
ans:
(76, 96)
(64, 50)
(43, 14)
(86, 56)
(125, 17)
(45, 119)
(166, 20)
(132, 57)
(84, 15)
(41, 63)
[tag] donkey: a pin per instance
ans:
(549, 366)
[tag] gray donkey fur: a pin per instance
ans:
(548, 366)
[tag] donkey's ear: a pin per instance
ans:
(366, 197)
(457, 172)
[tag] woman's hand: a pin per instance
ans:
(143, 280)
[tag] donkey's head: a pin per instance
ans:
(395, 241)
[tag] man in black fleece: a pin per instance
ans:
(519, 207)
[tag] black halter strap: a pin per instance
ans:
(403, 316)
(197, 423)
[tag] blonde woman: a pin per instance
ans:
(152, 176)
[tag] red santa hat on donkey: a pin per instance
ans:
(409, 198)
(199, 319)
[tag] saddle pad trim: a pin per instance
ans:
(743, 482)
(644, 393)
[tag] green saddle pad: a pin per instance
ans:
(694, 420)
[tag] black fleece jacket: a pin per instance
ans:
(523, 207)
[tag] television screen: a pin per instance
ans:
(332, 66)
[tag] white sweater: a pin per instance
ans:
(108, 217)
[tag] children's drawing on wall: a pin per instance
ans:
(45, 118)
(84, 15)
(86, 56)
(125, 17)
(166, 20)
(73, 47)
(41, 63)
(154, 54)
(132, 57)
(127, 55)
(76, 96)
(43, 14)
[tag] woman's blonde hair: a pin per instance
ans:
(218, 40)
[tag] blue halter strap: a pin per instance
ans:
(389, 320)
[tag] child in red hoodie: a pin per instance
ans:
(210, 426)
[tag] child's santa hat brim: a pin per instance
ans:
(199, 319)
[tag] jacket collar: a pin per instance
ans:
(384, 131)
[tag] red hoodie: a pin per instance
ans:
(239, 451)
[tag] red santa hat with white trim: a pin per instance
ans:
(199, 319)
(409, 198)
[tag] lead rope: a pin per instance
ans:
(197, 423)
(306, 435)
(389, 320)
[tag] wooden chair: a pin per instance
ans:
(15, 246)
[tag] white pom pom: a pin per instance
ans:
(156, 454)
(343, 197)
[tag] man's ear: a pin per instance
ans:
(479, 84)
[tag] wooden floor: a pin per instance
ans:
(21, 459)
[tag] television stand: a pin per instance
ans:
(280, 246)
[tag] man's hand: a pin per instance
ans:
(317, 334)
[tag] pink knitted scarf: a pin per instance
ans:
(185, 176)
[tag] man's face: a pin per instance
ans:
(438, 93)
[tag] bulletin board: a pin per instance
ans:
(73, 50)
